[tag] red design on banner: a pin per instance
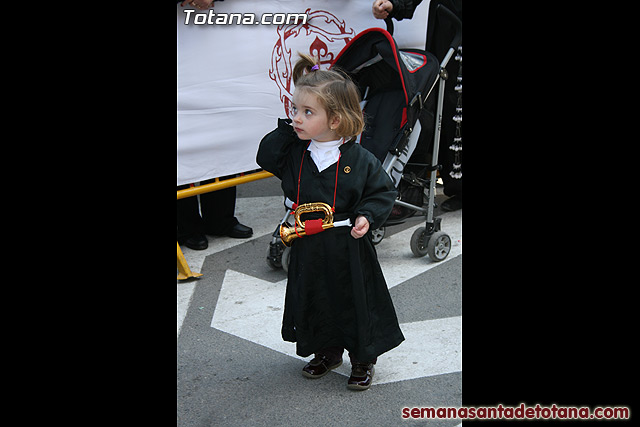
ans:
(324, 35)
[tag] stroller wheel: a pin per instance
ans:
(377, 235)
(419, 241)
(285, 258)
(439, 246)
(274, 255)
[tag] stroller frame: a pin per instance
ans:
(428, 239)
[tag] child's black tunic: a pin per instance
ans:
(336, 294)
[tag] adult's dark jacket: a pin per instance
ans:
(403, 8)
(336, 293)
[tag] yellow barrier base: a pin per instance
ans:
(184, 272)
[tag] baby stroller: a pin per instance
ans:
(395, 87)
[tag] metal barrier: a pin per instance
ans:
(184, 272)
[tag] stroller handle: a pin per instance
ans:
(389, 23)
(457, 39)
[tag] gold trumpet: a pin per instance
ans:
(309, 227)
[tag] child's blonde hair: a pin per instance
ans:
(336, 93)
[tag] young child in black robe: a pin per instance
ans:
(336, 296)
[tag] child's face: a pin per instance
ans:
(310, 119)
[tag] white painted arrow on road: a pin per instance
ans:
(251, 308)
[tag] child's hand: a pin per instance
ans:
(361, 227)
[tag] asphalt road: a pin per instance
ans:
(234, 369)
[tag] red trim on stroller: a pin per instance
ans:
(424, 60)
(395, 55)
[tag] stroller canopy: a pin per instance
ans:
(393, 83)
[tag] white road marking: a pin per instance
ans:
(264, 213)
(260, 213)
(251, 308)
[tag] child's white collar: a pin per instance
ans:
(325, 154)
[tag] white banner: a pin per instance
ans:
(234, 79)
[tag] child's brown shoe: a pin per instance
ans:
(361, 376)
(320, 366)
